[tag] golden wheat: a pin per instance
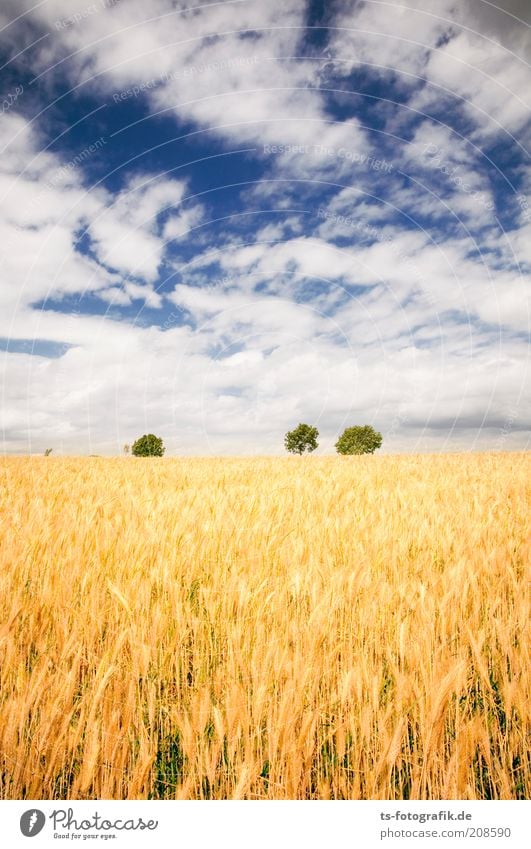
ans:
(280, 628)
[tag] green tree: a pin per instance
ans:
(148, 445)
(47, 452)
(360, 439)
(303, 438)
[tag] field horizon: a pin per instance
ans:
(281, 455)
(265, 627)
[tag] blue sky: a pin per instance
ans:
(221, 219)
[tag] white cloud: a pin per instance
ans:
(492, 80)
(391, 37)
(445, 45)
(179, 225)
(43, 215)
(234, 67)
(125, 233)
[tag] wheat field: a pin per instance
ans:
(265, 628)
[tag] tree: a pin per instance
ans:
(127, 448)
(148, 445)
(303, 438)
(47, 452)
(360, 439)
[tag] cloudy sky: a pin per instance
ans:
(221, 219)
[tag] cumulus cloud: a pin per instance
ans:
(445, 51)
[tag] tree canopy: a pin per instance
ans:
(302, 438)
(360, 439)
(148, 445)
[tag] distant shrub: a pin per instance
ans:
(360, 439)
(148, 445)
(302, 438)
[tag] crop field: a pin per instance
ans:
(265, 628)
